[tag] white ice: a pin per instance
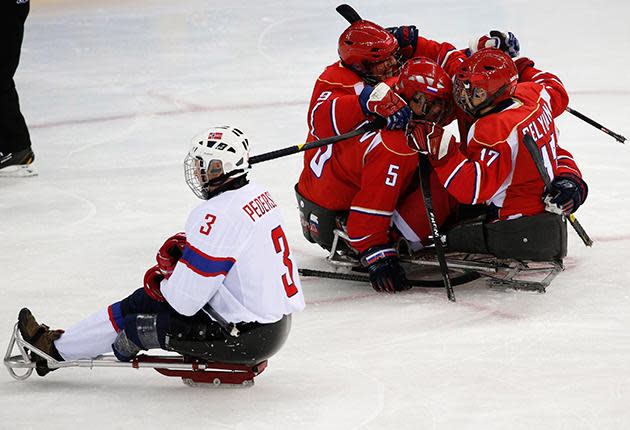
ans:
(113, 91)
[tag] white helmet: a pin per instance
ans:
(216, 154)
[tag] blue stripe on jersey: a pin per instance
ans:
(333, 119)
(358, 239)
(453, 173)
(115, 317)
(205, 265)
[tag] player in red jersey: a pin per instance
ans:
(357, 85)
(494, 167)
(371, 174)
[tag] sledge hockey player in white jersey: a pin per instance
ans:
(231, 273)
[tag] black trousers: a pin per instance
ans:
(14, 135)
(199, 337)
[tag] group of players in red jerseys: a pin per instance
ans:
(419, 86)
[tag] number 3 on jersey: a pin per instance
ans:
(280, 244)
(205, 229)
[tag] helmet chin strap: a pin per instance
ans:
(222, 184)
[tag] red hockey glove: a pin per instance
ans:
(152, 280)
(407, 37)
(430, 138)
(383, 101)
(385, 272)
(170, 253)
(523, 64)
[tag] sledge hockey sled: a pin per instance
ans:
(193, 371)
(524, 253)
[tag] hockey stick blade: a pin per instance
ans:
(348, 13)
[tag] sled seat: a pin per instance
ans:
(319, 224)
(532, 238)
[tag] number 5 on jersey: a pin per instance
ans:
(280, 245)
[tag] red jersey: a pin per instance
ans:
(495, 167)
(334, 108)
(365, 175)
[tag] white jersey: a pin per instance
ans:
(237, 258)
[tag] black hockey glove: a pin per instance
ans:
(385, 272)
(407, 37)
(567, 193)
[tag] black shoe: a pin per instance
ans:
(18, 163)
(41, 337)
(22, 157)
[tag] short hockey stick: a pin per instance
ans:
(229, 328)
(424, 167)
(370, 126)
(595, 124)
(533, 150)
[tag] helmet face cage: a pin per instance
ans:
(199, 173)
(216, 154)
(375, 72)
(427, 88)
(463, 93)
(433, 109)
(488, 73)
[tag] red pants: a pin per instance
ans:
(410, 217)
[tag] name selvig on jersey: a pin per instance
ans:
(236, 258)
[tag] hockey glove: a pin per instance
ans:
(506, 42)
(170, 253)
(152, 280)
(383, 101)
(407, 37)
(523, 64)
(385, 273)
(567, 193)
(430, 138)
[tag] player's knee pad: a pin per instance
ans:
(124, 349)
(142, 331)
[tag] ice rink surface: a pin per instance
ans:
(113, 91)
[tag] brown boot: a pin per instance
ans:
(41, 337)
